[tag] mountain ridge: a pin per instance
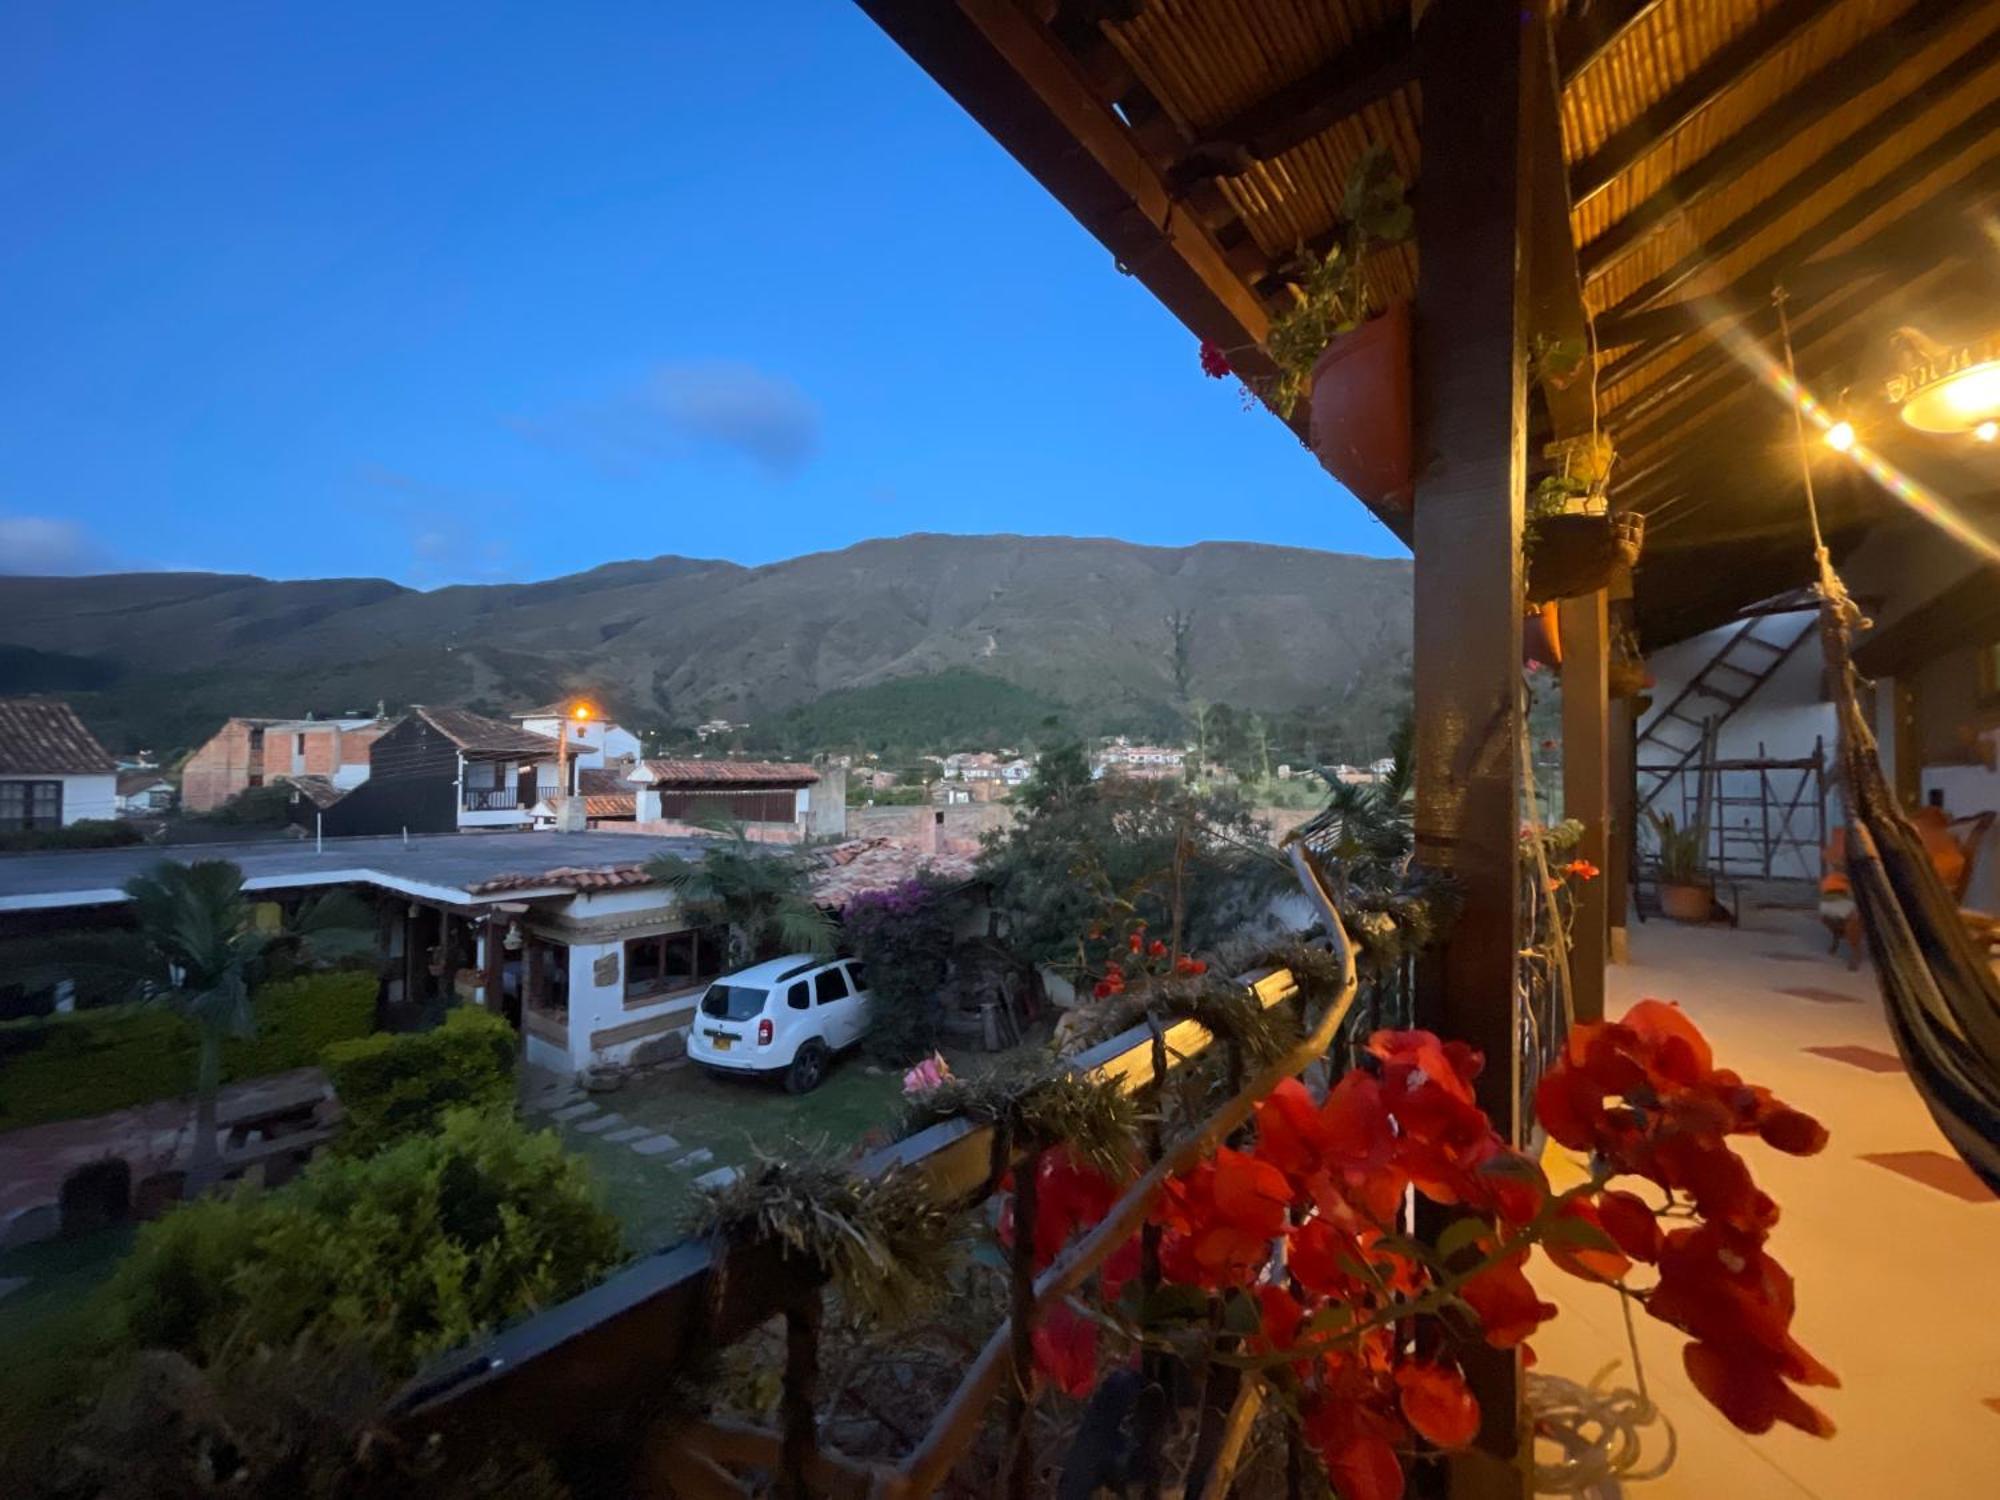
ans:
(672, 639)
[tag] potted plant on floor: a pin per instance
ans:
(1687, 893)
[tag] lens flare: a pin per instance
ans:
(1840, 437)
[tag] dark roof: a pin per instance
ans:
(770, 773)
(318, 790)
(44, 737)
(603, 781)
(137, 781)
(480, 735)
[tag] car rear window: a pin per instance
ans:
(733, 1002)
(799, 997)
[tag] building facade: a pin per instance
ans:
(254, 752)
(53, 772)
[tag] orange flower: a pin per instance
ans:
(1582, 869)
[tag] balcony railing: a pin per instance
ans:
(496, 799)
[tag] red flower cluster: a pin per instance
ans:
(1643, 1096)
(1308, 1221)
(1142, 958)
(1214, 363)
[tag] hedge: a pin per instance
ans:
(93, 1061)
(401, 1085)
(408, 1252)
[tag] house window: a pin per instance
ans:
(30, 804)
(671, 962)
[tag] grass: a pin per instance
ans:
(734, 1118)
(49, 1318)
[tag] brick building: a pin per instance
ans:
(249, 752)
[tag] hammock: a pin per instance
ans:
(1938, 987)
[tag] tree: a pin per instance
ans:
(764, 895)
(200, 953)
(1180, 629)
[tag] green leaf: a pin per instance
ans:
(1459, 1234)
(1580, 1234)
(1241, 1313)
(1171, 1302)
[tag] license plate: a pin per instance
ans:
(721, 1039)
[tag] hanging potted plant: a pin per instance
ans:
(1625, 675)
(1347, 357)
(1573, 543)
(1541, 636)
(1687, 893)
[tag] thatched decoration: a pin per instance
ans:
(881, 1242)
(1037, 1105)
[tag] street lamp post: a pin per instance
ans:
(569, 809)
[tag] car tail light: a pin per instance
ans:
(764, 1033)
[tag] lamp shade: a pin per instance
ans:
(1950, 389)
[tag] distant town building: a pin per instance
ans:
(252, 752)
(714, 727)
(593, 740)
(444, 769)
(1123, 758)
(53, 772)
(144, 793)
(768, 796)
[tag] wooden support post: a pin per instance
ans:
(493, 943)
(1622, 833)
(1475, 61)
(412, 955)
(1587, 791)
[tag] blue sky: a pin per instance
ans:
(455, 293)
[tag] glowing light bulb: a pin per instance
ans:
(583, 710)
(1986, 432)
(1840, 436)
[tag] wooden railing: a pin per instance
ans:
(579, 1372)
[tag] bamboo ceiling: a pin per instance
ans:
(1848, 149)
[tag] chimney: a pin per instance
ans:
(928, 819)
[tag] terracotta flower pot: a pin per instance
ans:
(1541, 637)
(1687, 903)
(1360, 408)
(1577, 555)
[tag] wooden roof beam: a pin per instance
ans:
(1701, 88)
(1372, 68)
(1842, 159)
(1701, 315)
(1591, 29)
(1843, 80)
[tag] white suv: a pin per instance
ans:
(787, 1016)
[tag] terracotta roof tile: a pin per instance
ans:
(480, 735)
(603, 781)
(610, 805)
(682, 773)
(318, 790)
(44, 737)
(571, 877)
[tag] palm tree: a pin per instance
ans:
(765, 896)
(200, 952)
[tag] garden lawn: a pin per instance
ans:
(733, 1119)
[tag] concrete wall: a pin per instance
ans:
(219, 769)
(1782, 720)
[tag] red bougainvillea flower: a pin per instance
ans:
(1629, 1220)
(1070, 1195)
(1156, 948)
(1136, 941)
(1582, 869)
(1280, 1314)
(1720, 1287)
(1066, 1350)
(1587, 1250)
(1437, 1403)
(1505, 1300)
(1221, 1219)
(1357, 1445)
(1214, 363)
(1190, 966)
(1751, 1395)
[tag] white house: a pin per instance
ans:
(53, 772)
(143, 792)
(593, 739)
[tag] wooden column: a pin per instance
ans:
(492, 944)
(1622, 832)
(1587, 791)
(1472, 209)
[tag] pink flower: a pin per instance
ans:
(932, 1072)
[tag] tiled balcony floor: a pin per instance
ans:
(1895, 1248)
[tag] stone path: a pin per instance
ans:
(564, 1104)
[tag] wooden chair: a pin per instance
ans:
(1953, 845)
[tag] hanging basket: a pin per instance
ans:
(1575, 555)
(1541, 637)
(1360, 409)
(1626, 679)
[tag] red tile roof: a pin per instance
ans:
(483, 736)
(572, 877)
(603, 781)
(44, 737)
(610, 805)
(772, 773)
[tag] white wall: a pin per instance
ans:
(591, 742)
(1780, 721)
(83, 796)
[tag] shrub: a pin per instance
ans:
(85, 833)
(396, 1086)
(253, 807)
(406, 1253)
(89, 1062)
(904, 936)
